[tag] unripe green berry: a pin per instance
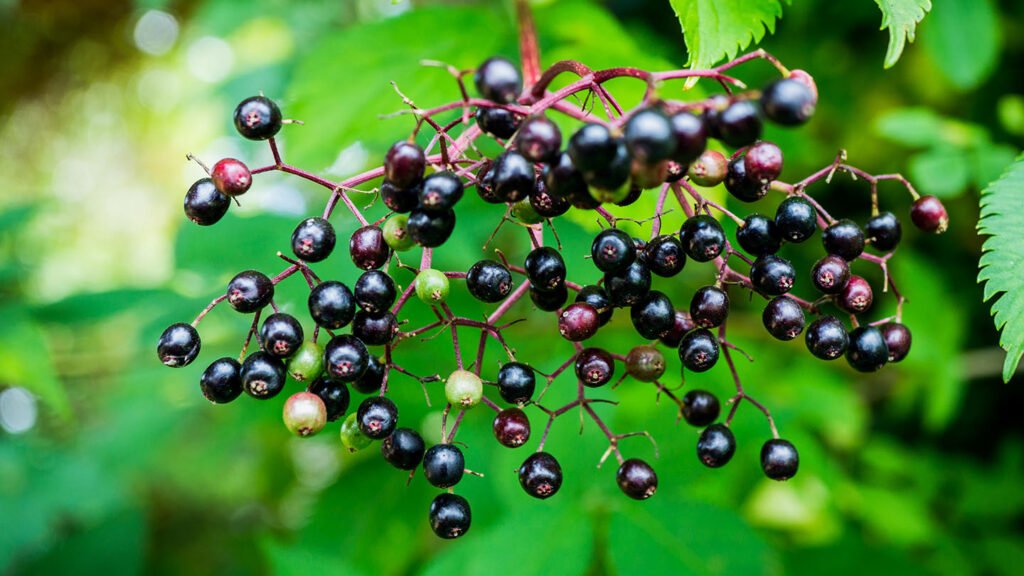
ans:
(431, 286)
(307, 363)
(305, 414)
(351, 436)
(464, 389)
(396, 233)
(645, 363)
(708, 170)
(526, 213)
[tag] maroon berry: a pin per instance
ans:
(231, 177)
(856, 296)
(404, 164)
(830, 274)
(897, 338)
(763, 162)
(368, 248)
(539, 139)
(929, 214)
(594, 367)
(511, 427)
(709, 307)
(578, 322)
(637, 479)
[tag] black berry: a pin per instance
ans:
(431, 229)
(740, 184)
(779, 459)
(403, 449)
(702, 237)
(404, 164)
(375, 291)
(737, 125)
(665, 256)
(372, 378)
(700, 408)
(612, 250)
(257, 118)
(489, 281)
(179, 345)
(637, 479)
(783, 318)
(368, 248)
(627, 287)
(511, 427)
(698, 350)
(222, 381)
(563, 179)
(897, 340)
(772, 276)
(401, 200)
(884, 231)
(594, 367)
(497, 79)
(450, 516)
(497, 122)
(374, 329)
(827, 338)
(250, 291)
(540, 475)
(653, 315)
(512, 177)
(788, 101)
(331, 305)
(281, 335)
(549, 300)
(263, 375)
(334, 394)
(691, 137)
(444, 465)
(867, 351)
(843, 238)
(758, 235)
(649, 136)
(313, 240)
(516, 382)
(545, 268)
(830, 274)
(440, 192)
(377, 417)
(345, 358)
(598, 298)
(716, 446)
(795, 219)
(709, 307)
(204, 204)
(539, 139)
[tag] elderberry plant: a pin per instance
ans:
(658, 148)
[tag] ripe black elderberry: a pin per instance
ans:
(716, 446)
(627, 287)
(313, 240)
(740, 184)
(539, 139)
(489, 281)
(511, 427)
(649, 136)
(540, 475)
(758, 235)
(511, 177)
(827, 338)
(374, 329)
(830, 274)
(222, 381)
(598, 298)
(179, 345)
(549, 300)
(368, 248)
(497, 122)
(652, 315)
(772, 276)
(263, 375)
(516, 382)
(796, 219)
(377, 417)
(665, 256)
(334, 394)
(788, 101)
(578, 322)
(250, 291)
(637, 479)
(737, 125)
(440, 192)
(450, 516)
(281, 335)
(702, 237)
(779, 459)
(699, 350)
(546, 204)
(592, 149)
(497, 79)
(444, 465)
(700, 408)
(372, 378)
(257, 118)
(843, 238)
(331, 305)
(345, 358)
(204, 204)
(608, 182)
(594, 367)
(867, 351)
(545, 268)
(783, 318)
(401, 200)
(563, 179)
(612, 250)
(709, 307)
(375, 291)
(883, 231)
(691, 137)
(897, 340)
(431, 229)
(404, 164)
(403, 449)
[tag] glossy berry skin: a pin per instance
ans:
(830, 274)
(563, 179)
(396, 233)
(372, 378)
(680, 326)
(883, 231)
(401, 200)
(498, 80)
(345, 358)
(263, 375)
(351, 437)
(463, 389)
(609, 181)
(204, 204)
(645, 363)
(404, 164)
(540, 475)
(612, 250)
(525, 213)
(716, 446)
(738, 124)
(929, 215)
(783, 318)
(709, 307)
(250, 291)
(432, 286)
(549, 300)
(856, 296)
(843, 238)
(897, 340)
(222, 381)
(758, 236)
(539, 139)
(497, 122)
(431, 229)
(700, 408)
(795, 219)
(740, 184)
(179, 345)
(304, 414)
(592, 148)
(772, 276)
(377, 417)
(516, 382)
(331, 305)
(649, 136)
(545, 268)
(374, 329)
(313, 240)
(788, 102)
(594, 367)
(665, 256)
(691, 137)
(653, 315)
(257, 118)
(709, 169)
(440, 192)
(627, 287)
(444, 465)
(763, 162)
(450, 516)
(231, 177)
(699, 350)
(779, 459)
(375, 291)
(578, 322)
(281, 335)
(368, 248)
(867, 351)
(511, 427)
(702, 237)
(598, 298)
(334, 394)
(511, 177)
(546, 204)
(489, 281)
(827, 338)
(637, 479)
(404, 449)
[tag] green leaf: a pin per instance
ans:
(27, 361)
(1002, 258)
(941, 171)
(963, 38)
(716, 30)
(901, 18)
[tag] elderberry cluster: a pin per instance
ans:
(661, 145)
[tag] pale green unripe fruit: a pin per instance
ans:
(464, 389)
(431, 286)
(305, 414)
(351, 436)
(307, 363)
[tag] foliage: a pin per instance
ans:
(715, 31)
(901, 18)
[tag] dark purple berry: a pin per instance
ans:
(783, 318)
(546, 204)
(512, 177)
(592, 148)
(498, 122)
(375, 291)
(204, 204)
(179, 345)
(444, 465)
(897, 340)
(430, 229)
(827, 338)
(257, 118)
(401, 200)
(440, 192)
(856, 296)
(929, 215)
(345, 358)
(368, 248)
(772, 276)
(313, 240)
(578, 322)
(549, 300)
(709, 307)
(372, 379)
(598, 299)
(763, 162)
(404, 164)
(516, 382)
(649, 136)
(563, 179)
(540, 475)
(637, 479)
(627, 287)
(403, 449)
(691, 137)
(498, 79)
(511, 427)
(883, 232)
(653, 315)
(796, 219)
(758, 236)
(281, 335)
(702, 237)
(377, 417)
(489, 281)
(738, 124)
(545, 268)
(716, 446)
(665, 256)
(867, 351)
(594, 367)
(740, 184)
(250, 291)
(539, 139)
(263, 375)
(680, 326)
(830, 274)
(779, 459)
(331, 305)
(698, 350)
(222, 381)
(334, 394)
(843, 238)
(374, 329)
(700, 408)
(788, 102)
(450, 516)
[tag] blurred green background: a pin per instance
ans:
(111, 463)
